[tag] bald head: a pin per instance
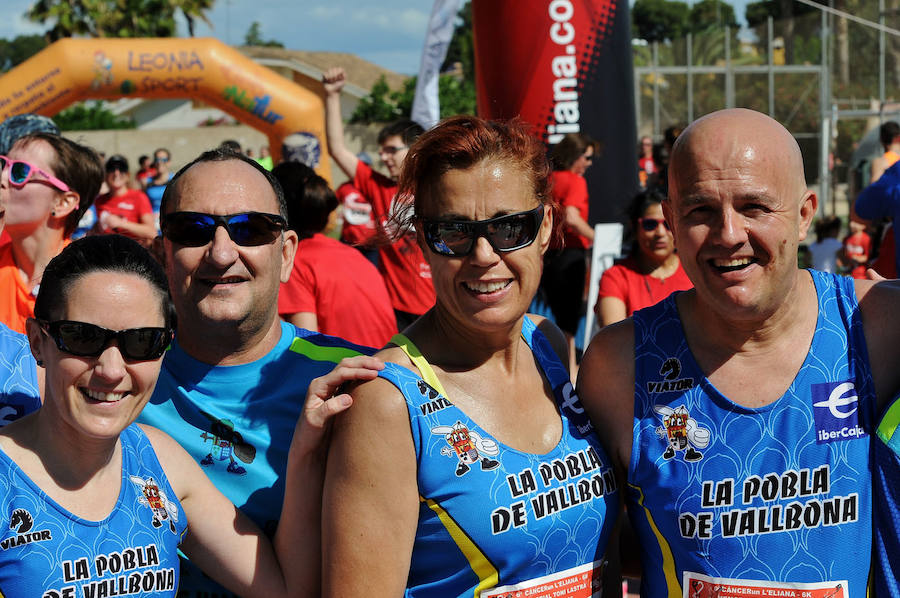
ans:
(735, 142)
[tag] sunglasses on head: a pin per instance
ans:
(195, 229)
(20, 172)
(456, 238)
(89, 340)
(651, 224)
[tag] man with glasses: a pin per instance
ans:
(232, 385)
(407, 275)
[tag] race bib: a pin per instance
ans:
(697, 585)
(584, 581)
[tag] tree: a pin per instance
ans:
(711, 14)
(462, 44)
(659, 20)
(87, 117)
(456, 96)
(20, 49)
(253, 37)
(116, 18)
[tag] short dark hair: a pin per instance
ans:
(219, 154)
(99, 253)
(117, 162)
(888, 132)
(571, 147)
(407, 130)
(78, 166)
(294, 177)
(231, 144)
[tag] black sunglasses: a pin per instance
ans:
(651, 224)
(89, 340)
(456, 238)
(195, 229)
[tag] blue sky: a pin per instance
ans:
(389, 33)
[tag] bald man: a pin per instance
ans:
(741, 411)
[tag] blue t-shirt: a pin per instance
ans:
(887, 504)
(45, 550)
(881, 199)
(493, 520)
(237, 422)
(771, 501)
(19, 394)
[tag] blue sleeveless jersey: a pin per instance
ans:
(494, 521)
(887, 503)
(47, 551)
(774, 501)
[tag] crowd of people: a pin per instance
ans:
(208, 394)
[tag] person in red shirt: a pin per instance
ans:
(650, 273)
(857, 248)
(647, 169)
(565, 263)
(406, 273)
(124, 210)
(333, 288)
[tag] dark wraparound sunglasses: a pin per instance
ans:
(651, 224)
(456, 238)
(195, 229)
(89, 340)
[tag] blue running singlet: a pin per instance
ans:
(494, 521)
(47, 552)
(887, 503)
(775, 501)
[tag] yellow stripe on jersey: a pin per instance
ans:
(420, 362)
(668, 560)
(319, 352)
(481, 566)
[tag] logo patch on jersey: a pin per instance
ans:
(156, 500)
(835, 408)
(468, 447)
(227, 443)
(21, 523)
(670, 370)
(681, 432)
(435, 401)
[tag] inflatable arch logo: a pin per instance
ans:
(71, 70)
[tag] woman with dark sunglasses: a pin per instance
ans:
(565, 263)
(652, 270)
(98, 505)
(48, 183)
(468, 467)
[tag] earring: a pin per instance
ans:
(53, 213)
(40, 363)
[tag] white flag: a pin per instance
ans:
(426, 109)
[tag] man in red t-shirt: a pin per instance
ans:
(332, 289)
(124, 210)
(407, 275)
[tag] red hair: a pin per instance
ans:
(461, 142)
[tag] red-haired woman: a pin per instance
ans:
(469, 466)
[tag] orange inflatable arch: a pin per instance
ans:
(72, 70)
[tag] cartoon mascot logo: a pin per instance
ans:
(156, 500)
(682, 432)
(468, 447)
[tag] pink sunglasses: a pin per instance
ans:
(20, 172)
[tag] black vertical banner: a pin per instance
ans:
(564, 66)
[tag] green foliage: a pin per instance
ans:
(711, 14)
(116, 18)
(658, 20)
(253, 37)
(462, 44)
(20, 49)
(385, 105)
(86, 117)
